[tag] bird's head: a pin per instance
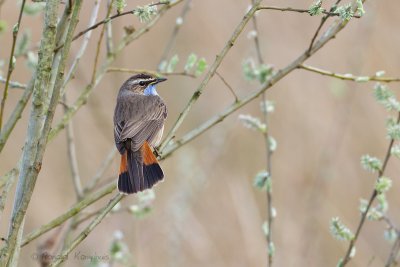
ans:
(143, 83)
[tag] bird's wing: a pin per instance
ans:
(139, 118)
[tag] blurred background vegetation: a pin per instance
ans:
(207, 211)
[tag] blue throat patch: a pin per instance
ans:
(150, 90)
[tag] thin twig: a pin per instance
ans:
(106, 20)
(228, 86)
(11, 62)
(298, 10)
(12, 84)
(238, 30)
(117, 198)
(349, 77)
(374, 193)
(175, 31)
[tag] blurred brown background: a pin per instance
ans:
(207, 213)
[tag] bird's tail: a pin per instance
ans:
(139, 170)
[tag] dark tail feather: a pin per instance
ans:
(151, 169)
(130, 178)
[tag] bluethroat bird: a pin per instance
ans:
(138, 127)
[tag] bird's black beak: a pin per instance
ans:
(161, 79)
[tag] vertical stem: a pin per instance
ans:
(267, 149)
(96, 59)
(109, 40)
(11, 62)
(73, 162)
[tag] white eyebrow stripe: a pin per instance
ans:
(141, 80)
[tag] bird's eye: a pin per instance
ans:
(142, 83)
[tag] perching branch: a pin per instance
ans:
(350, 77)
(11, 63)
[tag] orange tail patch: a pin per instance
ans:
(151, 169)
(148, 156)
